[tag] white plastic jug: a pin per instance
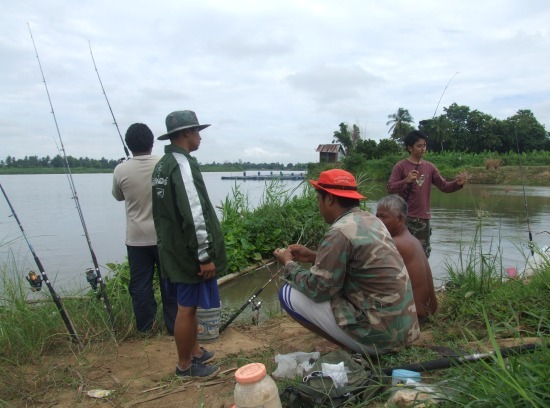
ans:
(255, 389)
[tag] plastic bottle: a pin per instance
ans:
(255, 389)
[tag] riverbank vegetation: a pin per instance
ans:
(481, 308)
(529, 168)
(56, 165)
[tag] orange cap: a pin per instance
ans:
(250, 373)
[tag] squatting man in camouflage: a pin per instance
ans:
(357, 292)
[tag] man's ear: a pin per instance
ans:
(409, 149)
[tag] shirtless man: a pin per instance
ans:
(392, 211)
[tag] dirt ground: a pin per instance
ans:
(140, 372)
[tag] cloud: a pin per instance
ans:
(274, 78)
(331, 83)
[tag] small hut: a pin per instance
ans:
(330, 153)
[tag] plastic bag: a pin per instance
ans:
(293, 364)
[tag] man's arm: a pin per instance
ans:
(398, 180)
(420, 274)
(444, 185)
(326, 276)
(116, 190)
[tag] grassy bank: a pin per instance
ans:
(485, 168)
(488, 168)
(480, 309)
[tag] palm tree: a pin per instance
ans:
(400, 124)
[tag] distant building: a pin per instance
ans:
(330, 153)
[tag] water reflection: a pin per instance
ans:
(236, 293)
(47, 212)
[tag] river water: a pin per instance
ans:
(47, 212)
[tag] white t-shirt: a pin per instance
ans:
(132, 184)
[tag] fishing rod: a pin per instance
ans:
(251, 300)
(109, 105)
(531, 245)
(36, 280)
(442, 93)
(457, 360)
(420, 182)
(94, 274)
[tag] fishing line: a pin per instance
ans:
(409, 189)
(36, 282)
(109, 105)
(443, 93)
(75, 197)
(530, 244)
(251, 299)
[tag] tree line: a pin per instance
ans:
(58, 162)
(458, 129)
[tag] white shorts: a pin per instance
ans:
(320, 314)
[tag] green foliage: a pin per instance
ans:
(479, 280)
(387, 147)
(344, 137)
(514, 381)
(58, 162)
(281, 218)
(400, 124)
(465, 130)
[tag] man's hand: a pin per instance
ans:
(282, 255)
(412, 176)
(208, 271)
(302, 253)
(462, 178)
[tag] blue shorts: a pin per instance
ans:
(205, 294)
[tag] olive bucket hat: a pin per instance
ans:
(180, 120)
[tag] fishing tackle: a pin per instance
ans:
(251, 300)
(109, 105)
(409, 189)
(447, 362)
(75, 196)
(531, 244)
(91, 277)
(36, 280)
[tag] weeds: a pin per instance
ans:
(481, 305)
(281, 218)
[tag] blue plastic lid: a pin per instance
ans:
(405, 374)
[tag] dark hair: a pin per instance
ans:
(343, 201)
(413, 137)
(139, 138)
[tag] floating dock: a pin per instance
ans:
(269, 176)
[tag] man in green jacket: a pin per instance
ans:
(189, 239)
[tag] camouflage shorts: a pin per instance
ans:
(421, 229)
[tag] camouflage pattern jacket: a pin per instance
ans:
(359, 270)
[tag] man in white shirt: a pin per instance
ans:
(132, 184)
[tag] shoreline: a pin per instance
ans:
(504, 175)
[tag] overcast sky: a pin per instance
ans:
(274, 78)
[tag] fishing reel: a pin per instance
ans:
(256, 312)
(35, 281)
(91, 277)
